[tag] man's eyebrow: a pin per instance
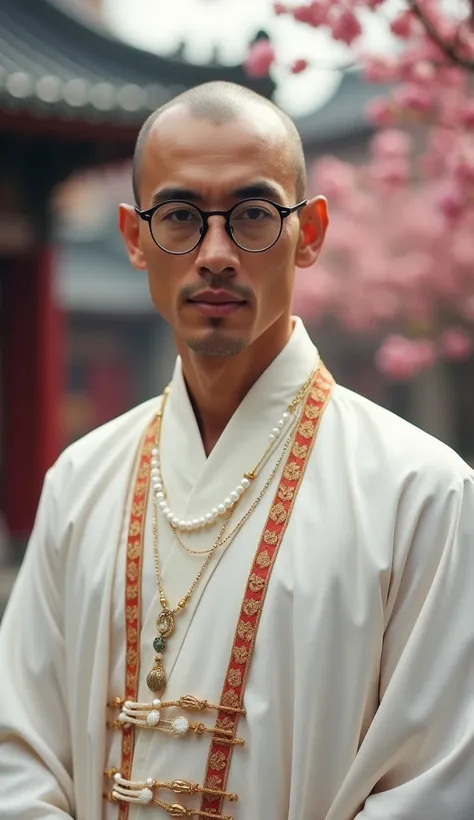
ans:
(164, 194)
(260, 189)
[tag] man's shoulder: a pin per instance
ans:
(112, 442)
(378, 435)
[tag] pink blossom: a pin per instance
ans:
(390, 143)
(333, 178)
(467, 114)
(345, 27)
(314, 292)
(414, 98)
(422, 72)
(298, 66)
(373, 4)
(426, 351)
(279, 8)
(451, 202)
(302, 14)
(391, 170)
(462, 167)
(378, 69)
(399, 358)
(259, 59)
(319, 12)
(380, 112)
(456, 343)
(402, 26)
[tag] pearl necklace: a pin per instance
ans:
(227, 504)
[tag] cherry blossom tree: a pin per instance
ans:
(400, 250)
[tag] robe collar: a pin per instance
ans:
(196, 483)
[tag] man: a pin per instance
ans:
(252, 598)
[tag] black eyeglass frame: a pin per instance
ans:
(284, 211)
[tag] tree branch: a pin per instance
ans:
(449, 49)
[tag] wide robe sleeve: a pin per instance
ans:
(35, 749)
(416, 761)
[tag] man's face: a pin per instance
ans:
(215, 166)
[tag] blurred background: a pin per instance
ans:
(391, 305)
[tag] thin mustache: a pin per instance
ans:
(241, 291)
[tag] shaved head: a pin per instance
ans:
(220, 103)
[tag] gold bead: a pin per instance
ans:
(182, 603)
(156, 679)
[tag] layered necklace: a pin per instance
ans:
(165, 622)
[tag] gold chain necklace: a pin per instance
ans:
(165, 622)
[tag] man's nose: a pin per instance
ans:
(217, 252)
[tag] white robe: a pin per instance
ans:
(360, 698)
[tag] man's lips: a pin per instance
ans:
(216, 302)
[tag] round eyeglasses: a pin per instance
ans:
(178, 227)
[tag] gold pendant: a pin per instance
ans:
(156, 679)
(165, 623)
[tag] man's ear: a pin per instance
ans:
(313, 224)
(129, 227)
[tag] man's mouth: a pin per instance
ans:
(216, 302)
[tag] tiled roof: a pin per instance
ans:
(56, 61)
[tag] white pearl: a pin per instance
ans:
(245, 483)
(180, 725)
(215, 512)
(162, 505)
(146, 796)
(150, 782)
(158, 487)
(182, 524)
(280, 423)
(160, 496)
(122, 717)
(271, 437)
(156, 702)
(195, 523)
(153, 718)
(168, 514)
(189, 525)
(285, 416)
(228, 503)
(221, 509)
(234, 496)
(276, 431)
(154, 470)
(202, 522)
(154, 452)
(117, 777)
(175, 521)
(209, 518)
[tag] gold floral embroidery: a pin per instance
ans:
(230, 698)
(138, 507)
(234, 677)
(251, 607)
(132, 572)
(226, 723)
(132, 591)
(245, 631)
(130, 681)
(214, 782)
(286, 493)
(299, 451)
(134, 551)
(140, 488)
(256, 583)
(143, 471)
(240, 654)
(318, 394)
(127, 745)
(218, 761)
(135, 528)
(270, 537)
(292, 471)
(312, 411)
(131, 613)
(278, 513)
(306, 429)
(132, 634)
(264, 560)
(131, 657)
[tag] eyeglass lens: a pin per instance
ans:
(177, 226)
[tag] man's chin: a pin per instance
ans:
(216, 342)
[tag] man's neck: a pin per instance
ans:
(218, 385)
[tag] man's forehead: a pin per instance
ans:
(188, 149)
